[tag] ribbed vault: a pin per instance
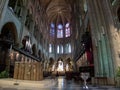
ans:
(58, 11)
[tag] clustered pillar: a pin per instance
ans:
(104, 66)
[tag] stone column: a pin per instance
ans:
(107, 56)
(95, 33)
(102, 57)
(112, 38)
(100, 62)
(99, 26)
(100, 40)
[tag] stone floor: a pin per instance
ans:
(59, 83)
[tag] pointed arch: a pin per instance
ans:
(9, 32)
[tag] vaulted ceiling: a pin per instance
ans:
(58, 11)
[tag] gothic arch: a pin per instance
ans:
(51, 61)
(59, 59)
(69, 61)
(8, 38)
(9, 32)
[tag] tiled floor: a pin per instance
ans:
(60, 83)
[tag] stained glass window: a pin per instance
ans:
(52, 30)
(68, 48)
(50, 48)
(60, 31)
(67, 30)
(60, 49)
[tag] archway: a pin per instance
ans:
(60, 66)
(8, 38)
(51, 63)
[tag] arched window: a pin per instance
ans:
(60, 31)
(50, 48)
(52, 30)
(118, 14)
(67, 30)
(60, 49)
(68, 48)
